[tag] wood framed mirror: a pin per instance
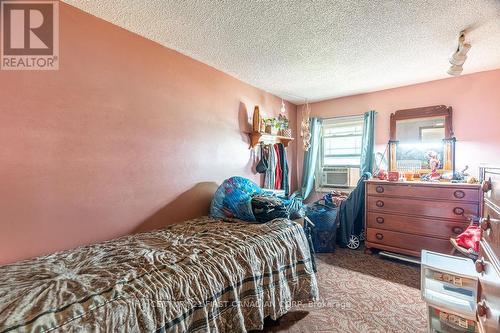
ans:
(416, 133)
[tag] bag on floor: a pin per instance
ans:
(266, 208)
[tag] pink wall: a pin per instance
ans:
(127, 136)
(475, 100)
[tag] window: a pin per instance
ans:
(341, 140)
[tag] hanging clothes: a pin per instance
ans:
(278, 173)
(262, 166)
(285, 185)
(270, 175)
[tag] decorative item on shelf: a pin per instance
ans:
(462, 175)
(393, 176)
(434, 163)
(277, 126)
(256, 119)
(472, 180)
(381, 174)
(409, 176)
(287, 132)
(305, 126)
(262, 126)
(272, 126)
(269, 127)
(284, 126)
(270, 130)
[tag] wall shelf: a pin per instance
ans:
(266, 138)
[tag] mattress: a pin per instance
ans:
(204, 275)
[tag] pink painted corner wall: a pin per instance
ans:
(127, 136)
(475, 100)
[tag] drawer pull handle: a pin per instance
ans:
(459, 194)
(457, 230)
(485, 223)
(458, 211)
(379, 189)
(380, 220)
(379, 236)
(482, 310)
(480, 266)
(486, 186)
(380, 203)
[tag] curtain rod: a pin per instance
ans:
(350, 116)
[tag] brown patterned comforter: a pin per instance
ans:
(201, 276)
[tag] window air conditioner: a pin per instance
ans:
(335, 177)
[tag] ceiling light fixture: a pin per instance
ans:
(457, 59)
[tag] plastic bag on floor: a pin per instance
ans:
(233, 199)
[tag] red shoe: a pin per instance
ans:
(468, 241)
(466, 252)
(470, 238)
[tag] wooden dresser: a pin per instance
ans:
(407, 217)
(488, 264)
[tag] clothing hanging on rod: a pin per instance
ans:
(277, 177)
(285, 185)
(263, 163)
(276, 174)
(271, 167)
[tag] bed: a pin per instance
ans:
(204, 275)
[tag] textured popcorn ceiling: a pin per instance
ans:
(316, 49)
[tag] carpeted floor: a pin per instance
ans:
(360, 293)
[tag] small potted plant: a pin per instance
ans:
(278, 126)
(276, 130)
(272, 126)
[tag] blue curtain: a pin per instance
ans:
(367, 146)
(311, 159)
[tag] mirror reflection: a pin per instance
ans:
(420, 142)
(420, 130)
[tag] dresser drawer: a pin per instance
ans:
(415, 225)
(439, 209)
(410, 242)
(409, 190)
(489, 293)
(491, 226)
(492, 176)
